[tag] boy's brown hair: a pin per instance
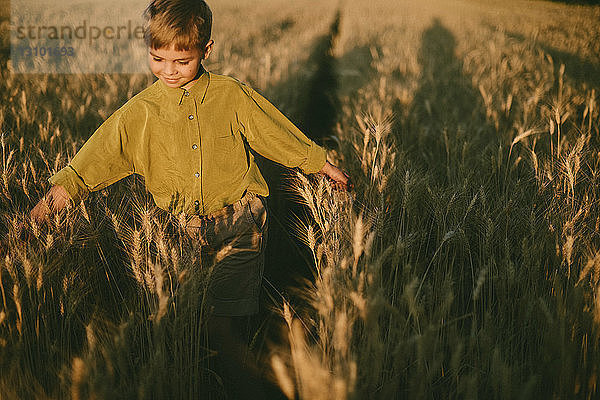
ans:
(184, 23)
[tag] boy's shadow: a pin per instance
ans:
(313, 93)
(445, 103)
(445, 132)
(309, 99)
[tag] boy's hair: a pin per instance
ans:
(184, 23)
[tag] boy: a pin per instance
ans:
(188, 135)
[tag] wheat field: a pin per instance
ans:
(466, 263)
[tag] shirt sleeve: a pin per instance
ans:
(275, 137)
(102, 161)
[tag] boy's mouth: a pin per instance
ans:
(169, 80)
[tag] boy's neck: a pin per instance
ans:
(191, 83)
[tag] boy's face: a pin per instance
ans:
(176, 68)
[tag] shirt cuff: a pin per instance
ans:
(315, 160)
(73, 184)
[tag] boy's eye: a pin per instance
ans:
(178, 62)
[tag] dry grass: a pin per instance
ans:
(465, 265)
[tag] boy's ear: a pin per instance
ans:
(208, 49)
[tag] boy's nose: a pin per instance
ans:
(170, 69)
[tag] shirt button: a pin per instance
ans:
(197, 174)
(190, 117)
(194, 146)
(186, 93)
(197, 203)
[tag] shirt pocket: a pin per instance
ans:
(226, 146)
(227, 152)
(226, 142)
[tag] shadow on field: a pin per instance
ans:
(445, 131)
(356, 69)
(583, 72)
(322, 106)
(444, 106)
(288, 261)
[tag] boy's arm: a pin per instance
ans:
(274, 136)
(102, 160)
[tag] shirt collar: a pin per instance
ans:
(198, 90)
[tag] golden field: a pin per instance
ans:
(466, 263)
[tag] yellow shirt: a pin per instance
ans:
(191, 146)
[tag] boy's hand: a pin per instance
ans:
(341, 179)
(55, 200)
